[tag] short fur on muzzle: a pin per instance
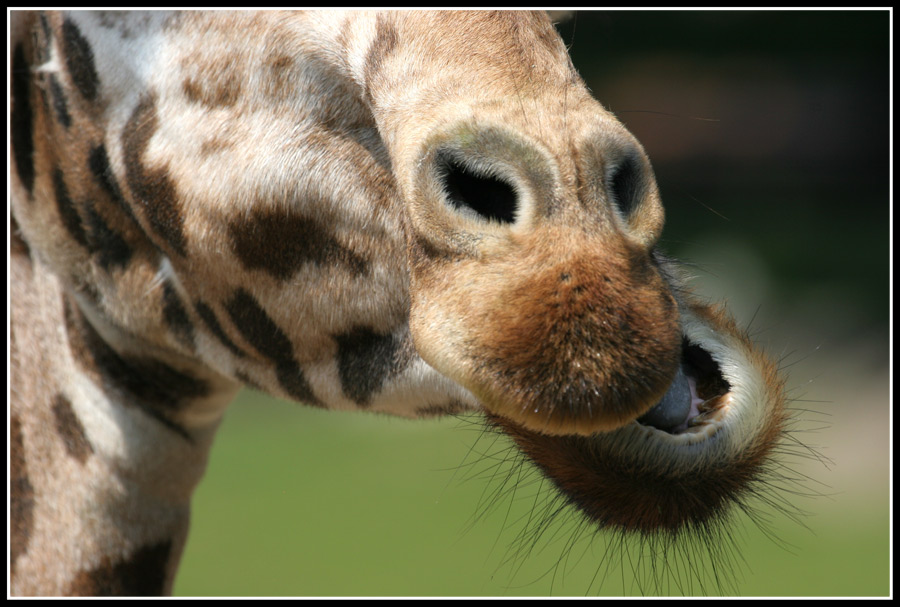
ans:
(562, 344)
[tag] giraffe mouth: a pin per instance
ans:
(696, 399)
(681, 463)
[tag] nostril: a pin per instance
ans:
(623, 185)
(489, 197)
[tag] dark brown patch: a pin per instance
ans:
(176, 316)
(21, 494)
(366, 360)
(69, 428)
(71, 220)
(156, 383)
(109, 247)
(151, 385)
(142, 574)
(98, 163)
(58, 100)
(152, 189)
(21, 119)
(258, 328)
(80, 61)
(209, 318)
(281, 243)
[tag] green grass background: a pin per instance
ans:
(782, 202)
(304, 502)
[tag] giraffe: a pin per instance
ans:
(413, 213)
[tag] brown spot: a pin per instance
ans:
(214, 89)
(386, 40)
(68, 212)
(214, 77)
(98, 164)
(281, 243)
(176, 316)
(280, 62)
(22, 118)
(80, 61)
(208, 316)
(144, 573)
(279, 78)
(367, 359)
(214, 145)
(264, 334)
(152, 189)
(58, 99)
(21, 494)
(108, 246)
(69, 428)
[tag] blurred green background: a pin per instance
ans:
(769, 137)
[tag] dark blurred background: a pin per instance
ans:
(768, 132)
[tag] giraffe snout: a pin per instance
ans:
(583, 346)
(561, 341)
(541, 299)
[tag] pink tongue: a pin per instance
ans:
(696, 401)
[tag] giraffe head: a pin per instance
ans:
(532, 219)
(403, 212)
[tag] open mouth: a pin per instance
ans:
(697, 399)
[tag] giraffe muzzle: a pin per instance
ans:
(545, 301)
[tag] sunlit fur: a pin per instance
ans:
(297, 202)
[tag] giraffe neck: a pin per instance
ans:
(106, 448)
(122, 368)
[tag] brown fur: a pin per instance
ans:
(539, 331)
